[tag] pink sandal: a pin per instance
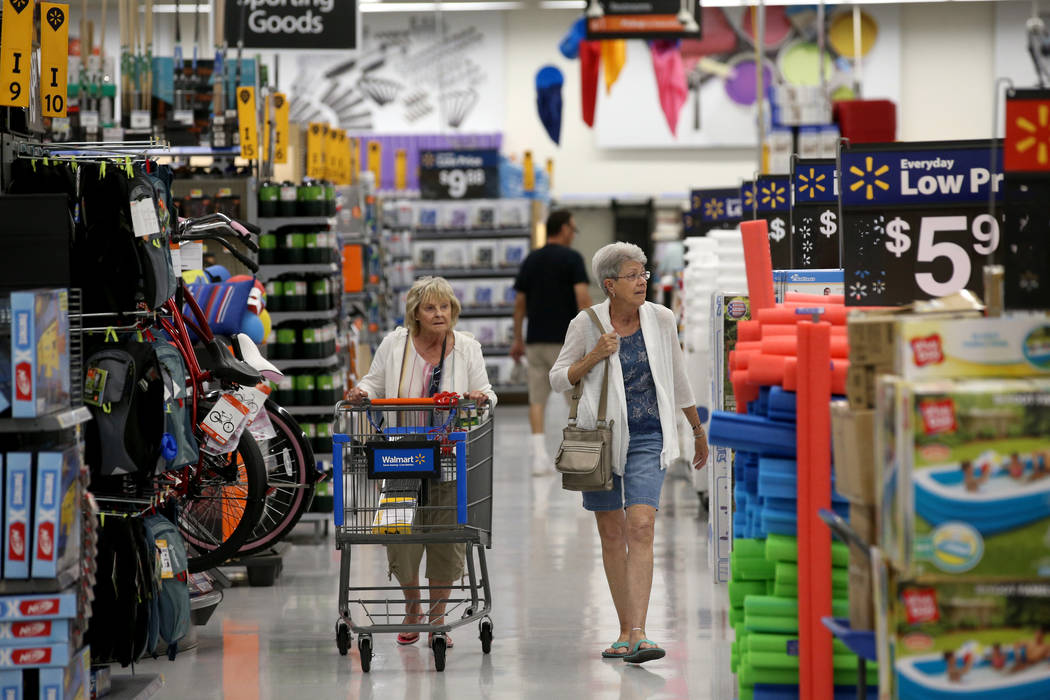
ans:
(406, 638)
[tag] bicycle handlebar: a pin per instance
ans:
(244, 259)
(197, 227)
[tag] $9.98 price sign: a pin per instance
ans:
(916, 223)
(468, 174)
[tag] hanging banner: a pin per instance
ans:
(248, 122)
(772, 203)
(54, 58)
(315, 151)
(814, 215)
(644, 19)
(470, 174)
(294, 24)
(280, 131)
(16, 45)
(1026, 199)
(400, 169)
(747, 200)
(915, 219)
(714, 209)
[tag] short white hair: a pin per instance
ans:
(607, 262)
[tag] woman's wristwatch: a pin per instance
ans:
(698, 427)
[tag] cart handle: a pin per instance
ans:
(445, 398)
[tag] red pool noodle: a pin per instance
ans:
(816, 299)
(759, 264)
(743, 391)
(788, 345)
(785, 314)
(748, 331)
(771, 330)
(814, 492)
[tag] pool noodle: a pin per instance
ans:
(814, 493)
(787, 572)
(770, 330)
(759, 264)
(784, 314)
(782, 370)
(749, 675)
(829, 299)
(739, 590)
(776, 660)
(778, 691)
(747, 331)
(772, 606)
(788, 345)
(783, 548)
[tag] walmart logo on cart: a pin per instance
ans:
(918, 177)
(417, 460)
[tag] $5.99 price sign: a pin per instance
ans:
(915, 222)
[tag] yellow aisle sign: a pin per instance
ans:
(280, 132)
(355, 160)
(315, 152)
(400, 169)
(375, 161)
(331, 163)
(248, 122)
(54, 58)
(267, 126)
(16, 43)
(344, 158)
(528, 173)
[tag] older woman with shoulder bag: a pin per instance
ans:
(647, 388)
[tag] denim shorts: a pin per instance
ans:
(642, 477)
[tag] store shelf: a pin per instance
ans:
(141, 686)
(318, 410)
(487, 311)
(306, 363)
(41, 585)
(267, 272)
(269, 223)
(471, 234)
(60, 420)
(466, 272)
(278, 317)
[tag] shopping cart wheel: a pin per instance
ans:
(364, 646)
(439, 651)
(486, 635)
(342, 637)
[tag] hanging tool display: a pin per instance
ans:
(218, 77)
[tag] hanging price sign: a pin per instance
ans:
(315, 151)
(915, 219)
(248, 122)
(464, 174)
(54, 58)
(814, 215)
(280, 131)
(16, 45)
(773, 203)
(714, 209)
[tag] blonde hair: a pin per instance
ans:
(427, 289)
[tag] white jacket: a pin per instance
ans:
(660, 332)
(466, 364)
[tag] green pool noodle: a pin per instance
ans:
(785, 548)
(791, 590)
(749, 548)
(787, 573)
(746, 693)
(752, 569)
(770, 585)
(772, 606)
(777, 660)
(736, 615)
(738, 590)
(748, 675)
(778, 643)
(774, 624)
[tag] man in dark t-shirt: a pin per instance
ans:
(551, 289)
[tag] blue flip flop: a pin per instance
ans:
(640, 656)
(614, 655)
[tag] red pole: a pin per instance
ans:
(816, 671)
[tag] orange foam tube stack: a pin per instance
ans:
(768, 330)
(759, 265)
(815, 299)
(788, 345)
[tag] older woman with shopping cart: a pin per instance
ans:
(424, 358)
(648, 387)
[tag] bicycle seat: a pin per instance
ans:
(217, 359)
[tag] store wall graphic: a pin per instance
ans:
(415, 74)
(720, 75)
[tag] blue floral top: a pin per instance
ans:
(643, 414)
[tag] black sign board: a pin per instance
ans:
(773, 203)
(814, 215)
(644, 19)
(714, 209)
(294, 24)
(468, 174)
(915, 219)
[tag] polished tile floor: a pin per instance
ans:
(552, 612)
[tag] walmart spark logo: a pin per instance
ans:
(869, 178)
(714, 208)
(428, 160)
(1026, 143)
(773, 195)
(811, 184)
(749, 197)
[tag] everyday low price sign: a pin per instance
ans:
(772, 203)
(915, 219)
(814, 215)
(469, 174)
(714, 209)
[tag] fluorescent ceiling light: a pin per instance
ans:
(480, 6)
(169, 9)
(566, 4)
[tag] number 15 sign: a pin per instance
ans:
(915, 219)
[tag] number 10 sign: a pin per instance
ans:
(915, 219)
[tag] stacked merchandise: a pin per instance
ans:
(962, 482)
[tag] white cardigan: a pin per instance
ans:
(666, 362)
(466, 366)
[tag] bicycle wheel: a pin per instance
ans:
(223, 504)
(290, 477)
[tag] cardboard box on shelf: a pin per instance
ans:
(853, 441)
(971, 471)
(56, 514)
(861, 603)
(71, 681)
(872, 338)
(970, 639)
(18, 481)
(862, 521)
(860, 384)
(39, 352)
(11, 685)
(42, 606)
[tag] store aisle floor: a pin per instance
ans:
(551, 610)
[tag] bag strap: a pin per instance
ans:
(577, 388)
